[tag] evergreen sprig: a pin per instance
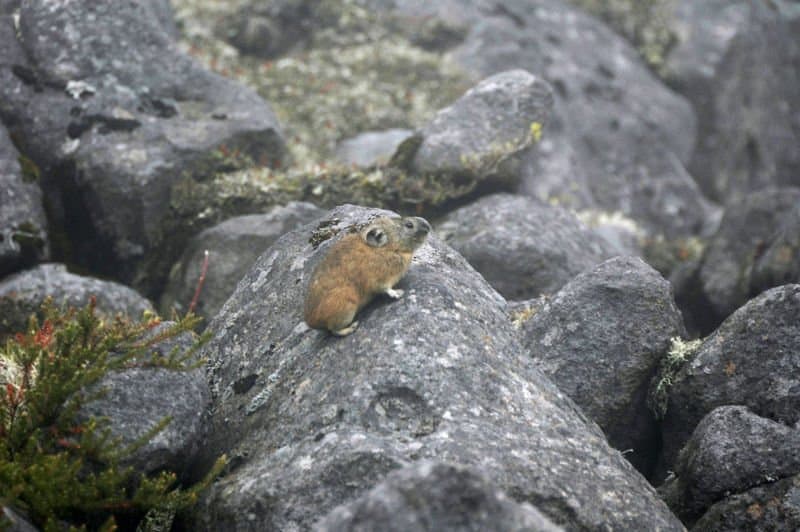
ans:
(57, 466)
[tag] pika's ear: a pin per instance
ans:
(376, 237)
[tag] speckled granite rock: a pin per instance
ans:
(101, 99)
(23, 237)
(731, 451)
(600, 339)
(312, 421)
(139, 398)
(433, 496)
(483, 133)
(22, 294)
(750, 360)
(521, 246)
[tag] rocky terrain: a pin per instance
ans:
(602, 332)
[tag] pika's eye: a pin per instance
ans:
(409, 224)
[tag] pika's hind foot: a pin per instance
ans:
(394, 293)
(347, 330)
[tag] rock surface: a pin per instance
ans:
(482, 134)
(737, 251)
(600, 339)
(137, 399)
(780, 262)
(312, 421)
(773, 506)
(23, 237)
(99, 97)
(232, 247)
(433, 496)
(621, 133)
(371, 147)
(736, 61)
(750, 360)
(521, 246)
(22, 294)
(731, 451)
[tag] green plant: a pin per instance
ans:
(57, 466)
(680, 352)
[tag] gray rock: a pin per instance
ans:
(14, 520)
(371, 147)
(137, 399)
(621, 137)
(750, 360)
(437, 497)
(22, 294)
(522, 246)
(780, 263)
(269, 29)
(233, 246)
(737, 62)
(748, 228)
(731, 451)
(23, 237)
(600, 339)
(102, 100)
(774, 507)
(312, 421)
(484, 132)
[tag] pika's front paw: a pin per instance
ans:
(394, 293)
(347, 330)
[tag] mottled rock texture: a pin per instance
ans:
(435, 496)
(483, 133)
(731, 451)
(756, 247)
(139, 398)
(23, 237)
(618, 137)
(313, 421)
(600, 339)
(737, 62)
(750, 360)
(23, 293)
(100, 98)
(522, 246)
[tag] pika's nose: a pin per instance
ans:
(423, 226)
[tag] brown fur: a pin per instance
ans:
(353, 272)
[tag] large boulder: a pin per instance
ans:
(232, 246)
(750, 360)
(23, 237)
(312, 421)
(600, 339)
(731, 451)
(101, 99)
(522, 246)
(23, 293)
(434, 496)
(738, 62)
(628, 135)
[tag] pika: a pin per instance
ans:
(358, 267)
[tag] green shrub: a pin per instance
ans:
(61, 470)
